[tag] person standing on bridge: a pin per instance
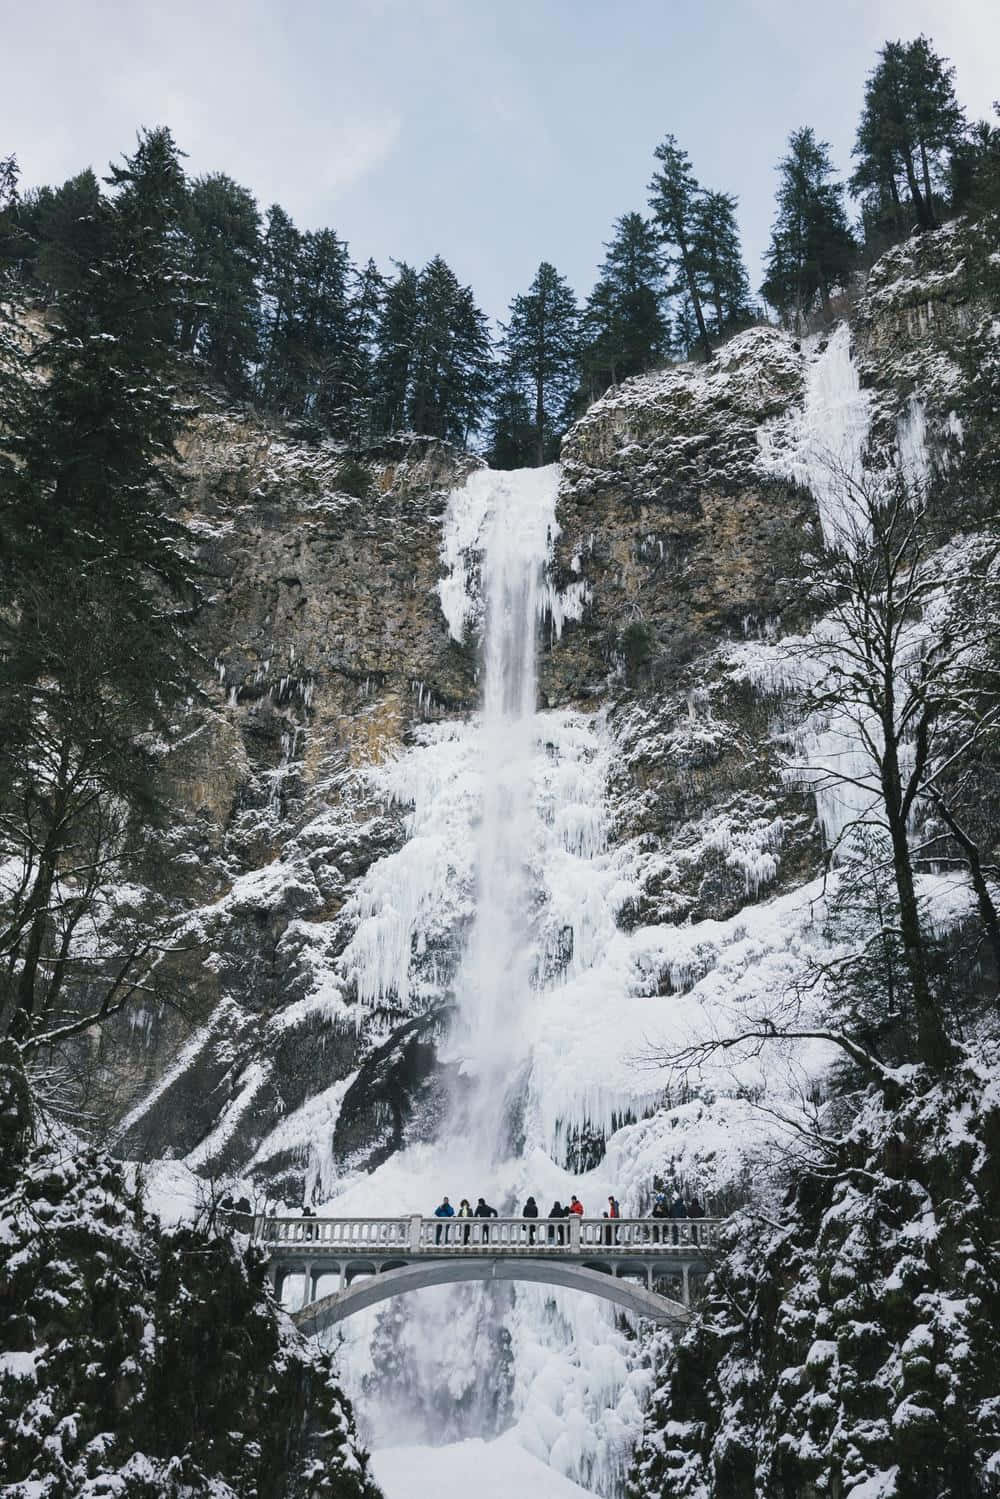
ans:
(444, 1210)
(611, 1236)
(557, 1211)
(695, 1210)
(530, 1210)
(677, 1212)
(576, 1206)
(483, 1210)
(464, 1211)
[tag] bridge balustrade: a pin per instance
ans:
(338, 1234)
(541, 1236)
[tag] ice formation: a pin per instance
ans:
(822, 445)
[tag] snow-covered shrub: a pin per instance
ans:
(152, 1365)
(852, 1352)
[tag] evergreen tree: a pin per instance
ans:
(90, 419)
(279, 269)
(811, 244)
(433, 371)
(910, 121)
(451, 367)
(149, 201)
(71, 230)
(219, 323)
(718, 261)
(623, 328)
(396, 345)
(365, 313)
(674, 199)
(541, 355)
(512, 442)
(322, 371)
(974, 170)
(685, 327)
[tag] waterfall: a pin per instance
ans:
(495, 978)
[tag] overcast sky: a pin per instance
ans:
(495, 132)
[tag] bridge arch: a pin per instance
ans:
(329, 1310)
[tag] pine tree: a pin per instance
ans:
(811, 245)
(433, 371)
(279, 271)
(219, 323)
(541, 355)
(365, 313)
(71, 232)
(718, 261)
(451, 365)
(910, 121)
(512, 442)
(322, 375)
(396, 346)
(674, 198)
(84, 511)
(623, 328)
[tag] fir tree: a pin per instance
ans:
(71, 230)
(674, 199)
(279, 270)
(910, 121)
(322, 374)
(541, 353)
(396, 346)
(718, 261)
(92, 646)
(223, 230)
(365, 313)
(451, 364)
(811, 245)
(623, 326)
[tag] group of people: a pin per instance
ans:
(556, 1232)
(674, 1208)
(482, 1209)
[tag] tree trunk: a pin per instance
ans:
(928, 195)
(897, 207)
(933, 1044)
(924, 220)
(695, 300)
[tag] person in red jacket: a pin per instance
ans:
(576, 1206)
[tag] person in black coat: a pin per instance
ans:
(483, 1210)
(677, 1212)
(530, 1210)
(557, 1211)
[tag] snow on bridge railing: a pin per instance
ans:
(434, 1236)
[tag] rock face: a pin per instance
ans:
(327, 651)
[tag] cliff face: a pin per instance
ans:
(684, 510)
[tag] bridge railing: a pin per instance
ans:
(417, 1235)
(335, 1233)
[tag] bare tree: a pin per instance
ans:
(904, 664)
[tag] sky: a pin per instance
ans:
(497, 133)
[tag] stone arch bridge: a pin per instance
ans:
(649, 1266)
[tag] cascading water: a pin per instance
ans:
(495, 977)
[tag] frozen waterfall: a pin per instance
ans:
(495, 978)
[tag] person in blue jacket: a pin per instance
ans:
(443, 1210)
